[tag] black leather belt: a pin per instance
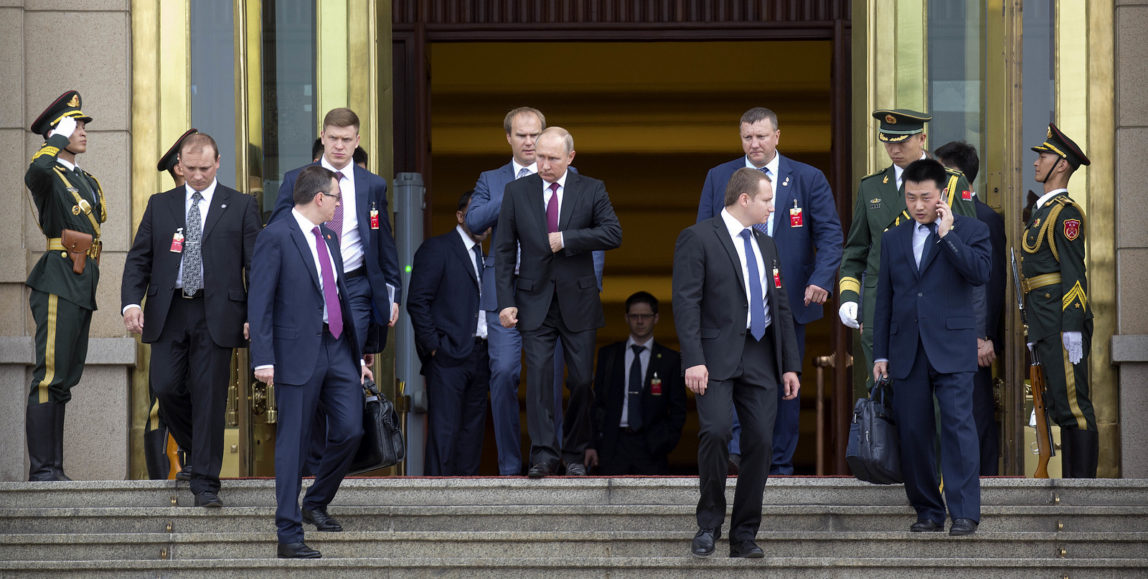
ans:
(479, 341)
(195, 296)
(359, 271)
(629, 430)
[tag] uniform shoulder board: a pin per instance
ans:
(952, 171)
(875, 175)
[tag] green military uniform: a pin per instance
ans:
(880, 204)
(1056, 301)
(67, 199)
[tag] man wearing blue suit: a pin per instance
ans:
(451, 338)
(303, 342)
(807, 232)
(925, 338)
(362, 226)
(522, 126)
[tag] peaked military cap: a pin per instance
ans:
(899, 124)
(171, 157)
(68, 105)
(1058, 143)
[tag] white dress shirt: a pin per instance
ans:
(920, 236)
(350, 243)
(307, 226)
(772, 167)
(735, 228)
(533, 167)
(1044, 198)
(480, 331)
(629, 360)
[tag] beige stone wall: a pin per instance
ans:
(46, 48)
(1130, 344)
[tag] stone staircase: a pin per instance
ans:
(558, 527)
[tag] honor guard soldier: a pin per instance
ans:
(70, 206)
(155, 430)
(880, 205)
(1056, 297)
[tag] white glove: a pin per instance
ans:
(1074, 345)
(65, 127)
(848, 315)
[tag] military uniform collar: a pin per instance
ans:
(71, 166)
(1048, 196)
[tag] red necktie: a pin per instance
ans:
(552, 209)
(330, 294)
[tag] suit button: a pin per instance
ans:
(920, 294)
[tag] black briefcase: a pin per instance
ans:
(382, 444)
(874, 451)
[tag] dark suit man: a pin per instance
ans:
(303, 343)
(738, 347)
(807, 233)
(362, 225)
(557, 217)
(69, 202)
(639, 398)
(451, 338)
(522, 126)
(190, 258)
(925, 338)
(963, 157)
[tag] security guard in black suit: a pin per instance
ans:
(70, 206)
(1056, 298)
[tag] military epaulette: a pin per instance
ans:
(877, 174)
(46, 150)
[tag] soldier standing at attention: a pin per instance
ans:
(70, 206)
(880, 205)
(1056, 297)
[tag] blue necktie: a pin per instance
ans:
(756, 301)
(634, 390)
(522, 173)
(477, 249)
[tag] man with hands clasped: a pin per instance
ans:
(925, 339)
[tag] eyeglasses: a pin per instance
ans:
(338, 197)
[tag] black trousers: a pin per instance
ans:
(630, 454)
(753, 393)
(189, 374)
(538, 344)
(456, 409)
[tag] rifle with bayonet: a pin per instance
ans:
(1044, 443)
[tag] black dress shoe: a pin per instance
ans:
(963, 527)
(703, 545)
(746, 550)
(575, 469)
(733, 466)
(322, 520)
(927, 527)
(297, 551)
(539, 470)
(208, 499)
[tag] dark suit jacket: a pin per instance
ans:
(285, 309)
(152, 269)
(931, 305)
(442, 299)
(485, 204)
(710, 304)
(380, 256)
(810, 253)
(663, 415)
(587, 222)
(995, 288)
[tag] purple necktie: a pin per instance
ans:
(337, 220)
(552, 209)
(330, 294)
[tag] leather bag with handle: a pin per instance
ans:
(382, 444)
(874, 450)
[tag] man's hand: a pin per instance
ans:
(1074, 345)
(133, 317)
(246, 331)
(944, 218)
(65, 127)
(880, 370)
(555, 242)
(848, 314)
(792, 385)
(366, 375)
(815, 295)
(590, 460)
(369, 359)
(697, 379)
(394, 315)
(508, 317)
(266, 376)
(985, 353)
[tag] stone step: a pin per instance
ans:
(562, 567)
(405, 518)
(574, 491)
(593, 544)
